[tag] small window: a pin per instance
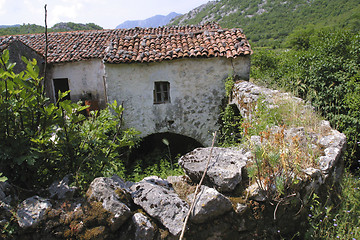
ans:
(62, 85)
(162, 92)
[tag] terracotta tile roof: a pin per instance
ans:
(138, 44)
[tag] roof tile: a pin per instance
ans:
(138, 44)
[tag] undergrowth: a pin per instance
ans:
(41, 141)
(162, 169)
(342, 221)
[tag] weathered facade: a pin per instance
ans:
(169, 79)
(86, 80)
(196, 90)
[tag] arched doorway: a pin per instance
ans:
(159, 147)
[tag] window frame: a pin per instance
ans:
(161, 92)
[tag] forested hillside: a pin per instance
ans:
(269, 22)
(59, 27)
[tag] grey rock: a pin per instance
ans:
(335, 145)
(159, 200)
(175, 179)
(335, 139)
(5, 191)
(111, 192)
(144, 230)
(61, 189)
(256, 193)
(31, 211)
(225, 168)
(209, 204)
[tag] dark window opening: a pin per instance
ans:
(62, 85)
(162, 92)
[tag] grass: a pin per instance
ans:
(282, 156)
(337, 221)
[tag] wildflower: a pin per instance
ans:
(278, 231)
(337, 237)
(310, 215)
(335, 225)
(320, 220)
(334, 220)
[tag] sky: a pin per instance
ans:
(105, 13)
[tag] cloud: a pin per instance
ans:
(2, 7)
(64, 12)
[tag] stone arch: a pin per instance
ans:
(179, 144)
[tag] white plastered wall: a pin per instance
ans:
(84, 77)
(196, 92)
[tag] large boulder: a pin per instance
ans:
(113, 194)
(31, 211)
(224, 171)
(209, 204)
(159, 200)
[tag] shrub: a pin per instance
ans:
(326, 73)
(41, 141)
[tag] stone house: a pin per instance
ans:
(169, 79)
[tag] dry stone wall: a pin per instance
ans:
(228, 205)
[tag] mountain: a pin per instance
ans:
(59, 27)
(269, 22)
(155, 21)
(7, 26)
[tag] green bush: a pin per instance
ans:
(325, 73)
(41, 141)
